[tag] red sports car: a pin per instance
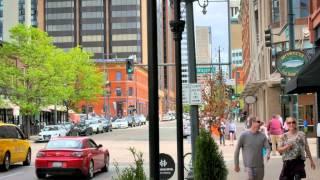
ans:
(72, 156)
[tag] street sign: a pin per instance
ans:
(205, 70)
(185, 94)
(195, 94)
(167, 166)
(230, 82)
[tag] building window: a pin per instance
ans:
(300, 8)
(118, 76)
(275, 11)
(130, 77)
(92, 38)
(125, 2)
(118, 91)
(130, 91)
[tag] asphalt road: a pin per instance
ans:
(118, 143)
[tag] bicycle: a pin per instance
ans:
(187, 162)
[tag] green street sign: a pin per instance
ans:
(205, 70)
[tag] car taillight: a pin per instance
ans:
(77, 154)
(41, 154)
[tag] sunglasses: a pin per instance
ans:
(258, 122)
(291, 122)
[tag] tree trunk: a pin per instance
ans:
(55, 115)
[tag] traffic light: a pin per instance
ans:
(268, 37)
(129, 66)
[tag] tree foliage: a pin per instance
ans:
(34, 73)
(214, 95)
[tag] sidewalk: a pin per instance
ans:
(272, 167)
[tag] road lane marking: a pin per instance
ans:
(10, 175)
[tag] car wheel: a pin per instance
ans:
(98, 131)
(40, 175)
(106, 165)
(27, 161)
(90, 170)
(6, 162)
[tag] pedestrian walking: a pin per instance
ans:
(263, 130)
(275, 130)
(252, 142)
(294, 148)
(232, 131)
(305, 126)
(222, 128)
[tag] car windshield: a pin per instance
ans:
(92, 122)
(120, 120)
(64, 144)
(51, 128)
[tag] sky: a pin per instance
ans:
(217, 18)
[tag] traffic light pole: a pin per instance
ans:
(192, 77)
(153, 90)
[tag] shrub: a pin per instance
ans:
(133, 172)
(209, 162)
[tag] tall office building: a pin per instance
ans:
(13, 12)
(203, 44)
(107, 28)
(184, 48)
(125, 21)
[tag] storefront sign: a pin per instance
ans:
(289, 63)
(167, 166)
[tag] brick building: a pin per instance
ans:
(125, 92)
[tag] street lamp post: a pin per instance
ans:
(192, 65)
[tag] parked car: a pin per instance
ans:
(167, 117)
(82, 129)
(107, 125)
(140, 119)
(51, 131)
(131, 121)
(14, 147)
(120, 123)
(71, 156)
(96, 125)
(186, 128)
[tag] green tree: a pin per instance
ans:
(34, 73)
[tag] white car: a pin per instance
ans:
(96, 125)
(120, 123)
(51, 131)
(186, 129)
(167, 117)
(143, 119)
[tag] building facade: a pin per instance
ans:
(262, 79)
(13, 12)
(125, 92)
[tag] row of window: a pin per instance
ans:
(59, 4)
(92, 14)
(98, 26)
(59, 16)
(237, 62)
(234, 54)
(125, 2)
(127, 25)
(92, 3)
(94, 49)
(65, 27)
(125, 37)
(126, 13)
(92, 38)
(119, 91)
(121, 49)
(62, 39)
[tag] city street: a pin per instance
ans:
(118, 142)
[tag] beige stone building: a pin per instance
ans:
(263, 78)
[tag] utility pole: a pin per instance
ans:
(194, 114)
(153, 90)
(294, 97)
(177, 27)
